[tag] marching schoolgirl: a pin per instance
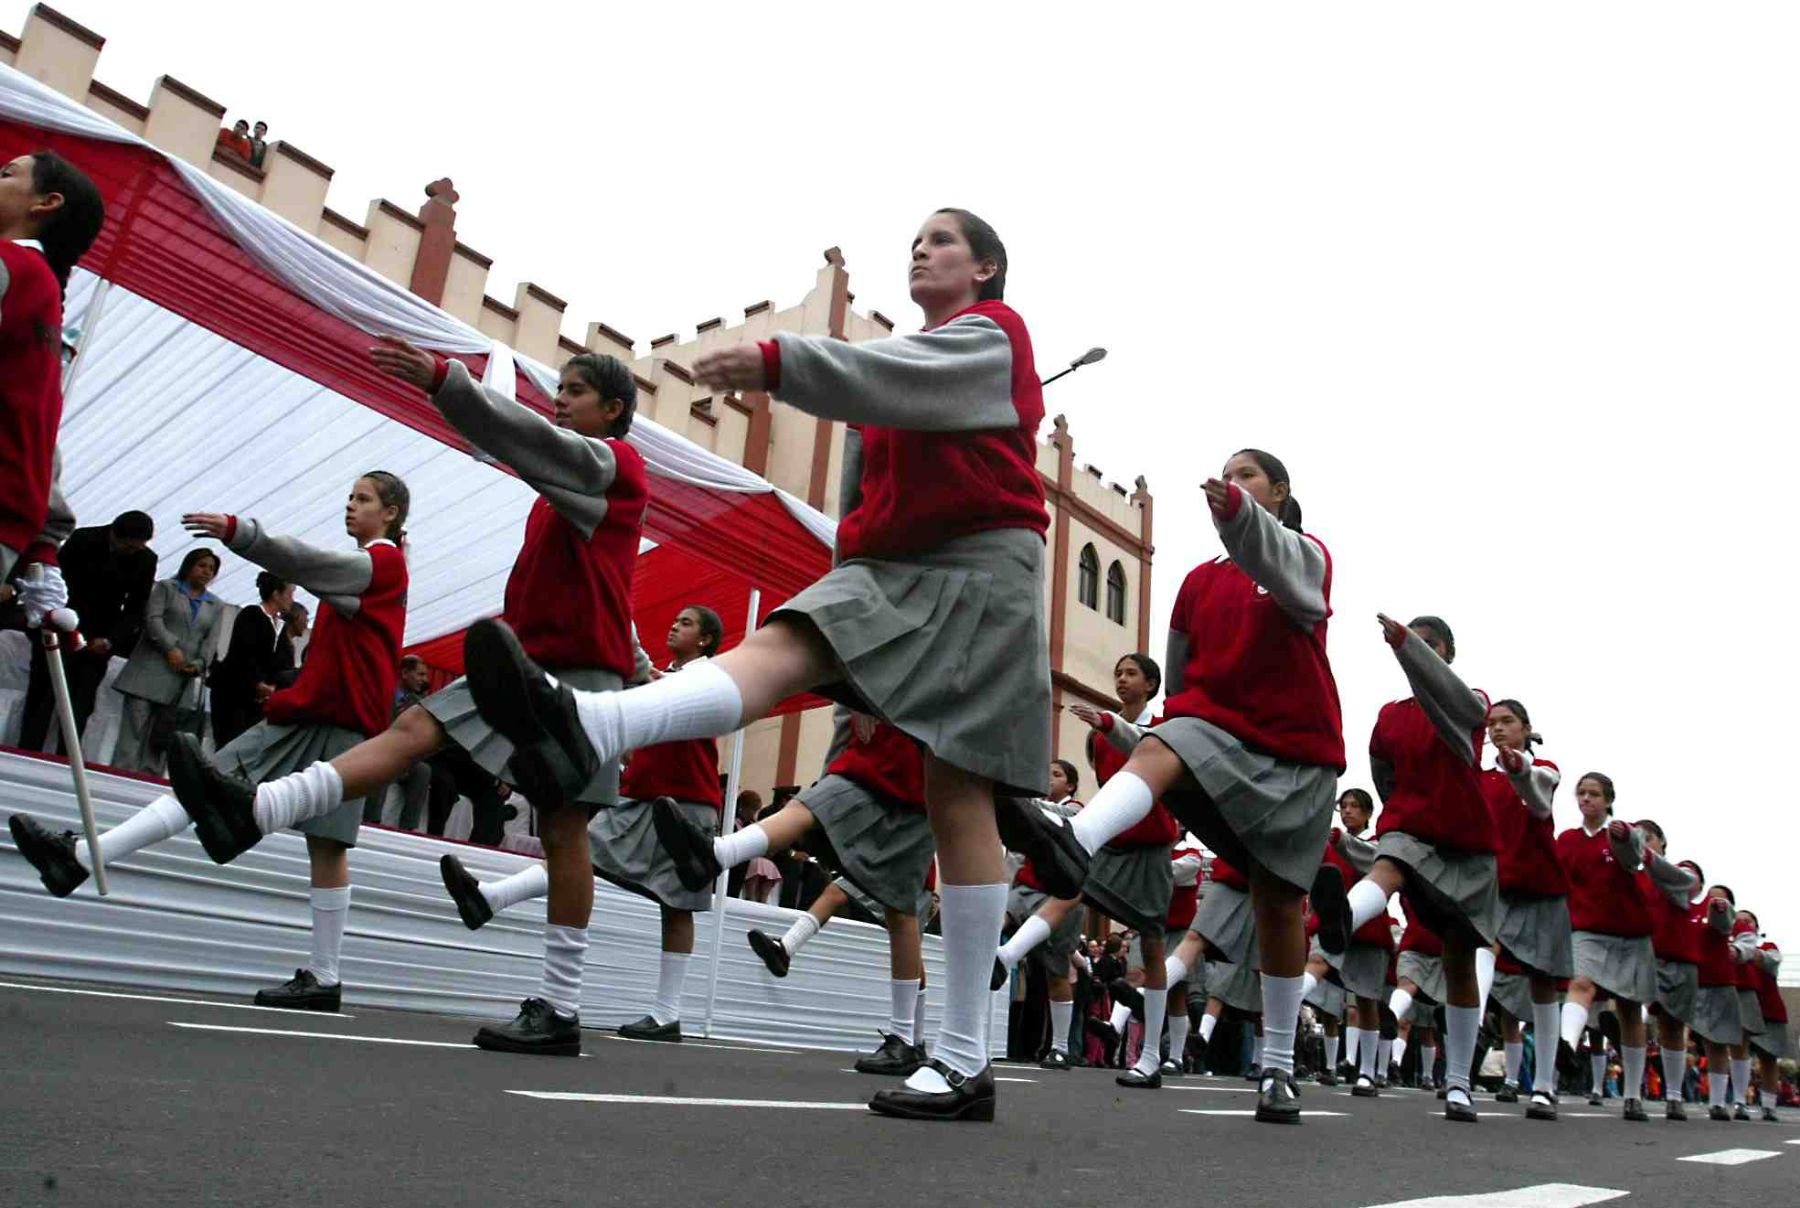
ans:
(1221, 941)
(1770, 1045)
(1435, 838)
(1745, 944)
(1668, 891)
(1535, 933)
(1184, 904)
(569, 594)
(1325, 995)
(1363, 965)
(1419, 990)
(1718, 1020)
(1612, 929)
(1051, 928)
(344, 693)
(932, 621)
(1252, 744)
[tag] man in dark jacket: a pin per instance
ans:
(109, 570)
(259, 651)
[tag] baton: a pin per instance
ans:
(56, 624)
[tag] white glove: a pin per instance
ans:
(42, 592)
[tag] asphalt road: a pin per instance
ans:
(127, 1098)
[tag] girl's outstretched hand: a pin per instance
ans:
(1392, 630)
(739, 367)
(216, 525)
(397, 358)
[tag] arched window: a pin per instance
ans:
(1087, 586)
(1115, 593)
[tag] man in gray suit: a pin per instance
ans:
(162, 681)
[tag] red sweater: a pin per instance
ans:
(1184, 902)
(569, 597)
(1223, 873)
(1526, 842)
(1436, 797)
(1252, 671)
(1768, 993)
(1603, 894)
(1746, 972)
(1377, 930)
(1417, 937)
(890, 765)
(686, 770)
(30, 396)
(1716, 966)
(353, 662)
(1673, 935)
(1157, 828)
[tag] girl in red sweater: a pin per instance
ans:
(344, 693)
(1668, 890)
(932, 621)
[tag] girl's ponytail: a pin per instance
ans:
(72, 227)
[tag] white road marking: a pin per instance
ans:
(1544, 1195)
(1246, 1112)
(1211, 1090)
(677, 1101)
(427, 1044)
(997, 1078)
(1794, 1142)
(692, 1044)
(1732, 1157)
(180, 1002)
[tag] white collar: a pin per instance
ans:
(379, 541)
(1591, 833)
(33, 244)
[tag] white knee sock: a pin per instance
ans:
(702, 702)
(1367, 900)
(1179, 1025)
(1400, 1003)
(1574, 1022)
(1175, 970)
(1062, 1014)
(1674, 1063)
(289, 800)
(1485, 962)
(1352, 1043)
(1428, 1063)
(1257, 1060)
(1281, 1015)
(1121, 1018)
(1460, 1026)
(1331, 1052)
(1717, 1085)
(1207, 1024)
(1308, 983)
(667, 1007)
(1633, 1062)
(564, 948)
(903, 1003)
(1121, 803)
(1156, 1006)
(1396, 1051)
(1369, 1044)
(970, 916)
(1597, 1069)
(1740, 1081)
(804, 928)
(740, 847)
(1544, 1024)
(162, 819)
(533, 882)
(1515, 1061)
(1385, 1056)
(330, 911)
(1032, 932)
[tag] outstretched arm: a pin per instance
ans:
(1360, 853)
(336, 576)
(1290, 566)
(1455, 709)
(1534, 782)
(1676, 882)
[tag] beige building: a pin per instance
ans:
(1100, 536)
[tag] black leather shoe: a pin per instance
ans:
(1458, 1107)
(1634, 1110)
(538, 1028)
(552, 759)
(1061, 863)
(1719, 1112)
(1674, 1109)
(648, 1029)
(1742, 1113)
(1253, 1074)
(1443, 1093)
(1594, 1100)
(1124, 992)
(1102, 1031)
(465, 891)
(895, 1058)
(1327, 1078)
(1055, 1059)
(1278, 1102)
(1769, 1116)
(998, 977)
(222, 806)
(302, 993)
(1365, 1088)
(689, 847)
(1132, 1080)
(1568, 1061)
(774, 953)
(1171, 1068)
(1543, 1106)
(1508, 1093)
(53, 855)
(1332, 904)
(969, 1098)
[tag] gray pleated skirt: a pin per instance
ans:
(884, 850)
(1363, 968)
(1251, 806)
(454, 708)
(1512, 994)
(1172, 937)
(1623, 966)
(1132, 886)
(950, 648)
(919, 907)
(1454, 891)
(1425, 972)
(1716, 1016)
(1326, 995)
(1536, 931)
(1750, 1010)
(1225, 921)
(1237, 985)
(266, 751)
(1773, 1041)
(625, 852)
(1677, 986)
(1023, 902)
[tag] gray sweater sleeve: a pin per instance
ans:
(1360, 853)
(1535, 783)
(1124, 735)
(571, 471)
(955, 378)
(1454, 708)
(339, 577)
(640, 661)
(1677, 883)
(1288, 565)
(1175, 657)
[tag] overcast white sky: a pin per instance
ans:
(1510, 288)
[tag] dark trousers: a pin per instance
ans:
(454, 773)
(84, 673)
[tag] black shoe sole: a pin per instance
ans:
(1063, 870)
(688, 848)
(465, 891)
(999, 976)
(773, 954)
(1152, 1083)
(1362, 1092)
(1331, 903)
(1461, 1116)
(899, 1069)
(1268, 1117)
(315, 1002)
(978, 1111)
(499, 674)
(495, 1042)
(1538, 1113)
(651, 1038)
(224, 835)
(61, 873)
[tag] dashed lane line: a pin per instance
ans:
(180, 1002)
(678, 1101)
(1731, 1157)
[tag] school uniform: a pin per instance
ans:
(1363, 965)
(1027, 896)
(1327, 995)
(34, 517)
(1534, 890)
(870, 806)
(1749, 1005)
(1677, 947)
(1131, 878)
(1225, 921)
(1512, 987)
(1612, 924)
(1717, 1016)
(1186, 865)
(1772, 1041)
(1420, 958)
